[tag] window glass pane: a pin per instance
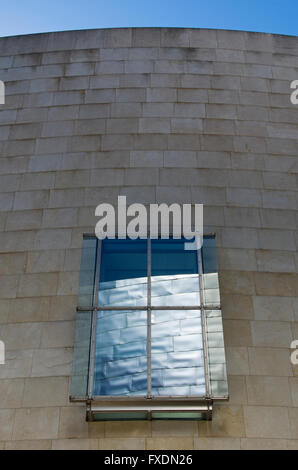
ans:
(123, 273)
(121, 353)
(80, 365)
(192, 415)
(177, 359)
(216, 353)
(210, 272)
(120, 416)
(174, 272)
(87, 274)
(209, 255)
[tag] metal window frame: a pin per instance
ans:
(105, 403)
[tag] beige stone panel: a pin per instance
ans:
(147, 196)
(35, 285)
(57, 334)
(52, 239)
(73, 422)
(236, 282)
(66, 198)
(96, 429)
(270, 362)
(29, 445)
(244, 197)
(37, 181)
(9, 183)
(237, 333)
(227, 421)
(60, 218)
(75, 444)
(52, 362)
(242, 217)
(170, 443)
(86, 218)
(45, 261)
(177, 428)
(17, 364)
(11, 393)
(24, 220)
(12, 263)
(237, 390)
(6, 202)
(8, 286)
(276, 261)
(171, 194)
(26, 200)
(283, 284)
(295, 308)
(33, 309)
(183, 159)
(45, 392)
(5, 306)
(68, 283)
(213, 215)
(21, 335)
(271, 334)
(95, 196)
(73, 178)
(272, 391)
(237, 307)
(208, 195)
(272, 239)
(216, 443)
(293, 381)
(36, 423)
(63, 308)
(130, 443)
(234, 259)
(141, 176)
(266, 422)
(237, 360)
(3, 217)
(292, 444)
(6, 424)
(263, 444)
(73, 257)
(128, 429)
(293, 417)
(273, 308)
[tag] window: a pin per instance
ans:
(149, 337)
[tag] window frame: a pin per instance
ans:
(199, 402)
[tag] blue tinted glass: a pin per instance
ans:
(80, 364)
(87, 273)
(209, 255)
(174, 274)
(123, 273)
(121, 353)
(177, 359)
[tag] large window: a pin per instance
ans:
(149, 339)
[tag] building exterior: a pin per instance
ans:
(160, 116)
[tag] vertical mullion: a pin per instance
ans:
(149, 387)
(203, 320)
(94, 320)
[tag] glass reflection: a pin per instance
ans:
(123, 273)
(121, 353)
(174, 274)
(177, 359)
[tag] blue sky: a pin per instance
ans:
(34, 16)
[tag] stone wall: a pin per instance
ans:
(158, 115)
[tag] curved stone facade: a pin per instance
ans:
(158, 115)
